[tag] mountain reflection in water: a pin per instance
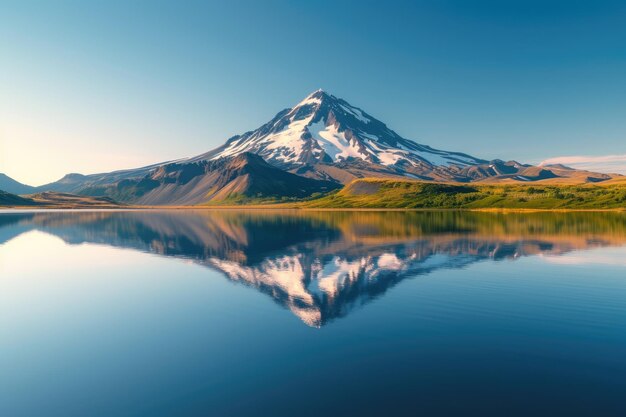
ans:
(321, 265)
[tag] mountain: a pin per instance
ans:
(74, 183)
(324, 136)
(245, 176)
(321, 138)
(9, 185)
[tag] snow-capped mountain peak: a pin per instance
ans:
(324, 129)
(316, 97)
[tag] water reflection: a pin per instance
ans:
(321, 265)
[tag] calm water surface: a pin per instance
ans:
(259, 313)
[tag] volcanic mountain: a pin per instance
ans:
(325, 131)
(326, 137)
(315, 146)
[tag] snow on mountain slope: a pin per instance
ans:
(325, 129)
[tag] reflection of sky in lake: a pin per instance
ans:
(605, 256)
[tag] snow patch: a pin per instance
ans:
(334, 142)
(309, 100)
(384, 154)
(390, 261)
(355, 112)
(289, 140)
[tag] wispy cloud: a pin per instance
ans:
(607, 163)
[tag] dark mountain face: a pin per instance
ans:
(9, 185)
(244, 176)
(264, 179)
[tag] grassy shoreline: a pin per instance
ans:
(299, 208)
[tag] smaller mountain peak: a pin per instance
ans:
(73, 176)
(247, 158)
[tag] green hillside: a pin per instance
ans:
(385, 193)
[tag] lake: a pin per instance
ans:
(304, 313)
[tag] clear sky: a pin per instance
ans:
(92, 86)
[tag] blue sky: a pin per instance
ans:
(96, 86)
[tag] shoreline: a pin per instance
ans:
(292, 208)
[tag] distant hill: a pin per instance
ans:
(10, 200)
(12, 186)
(66, 200)
(55, 200)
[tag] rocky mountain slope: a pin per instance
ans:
(245, 176)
